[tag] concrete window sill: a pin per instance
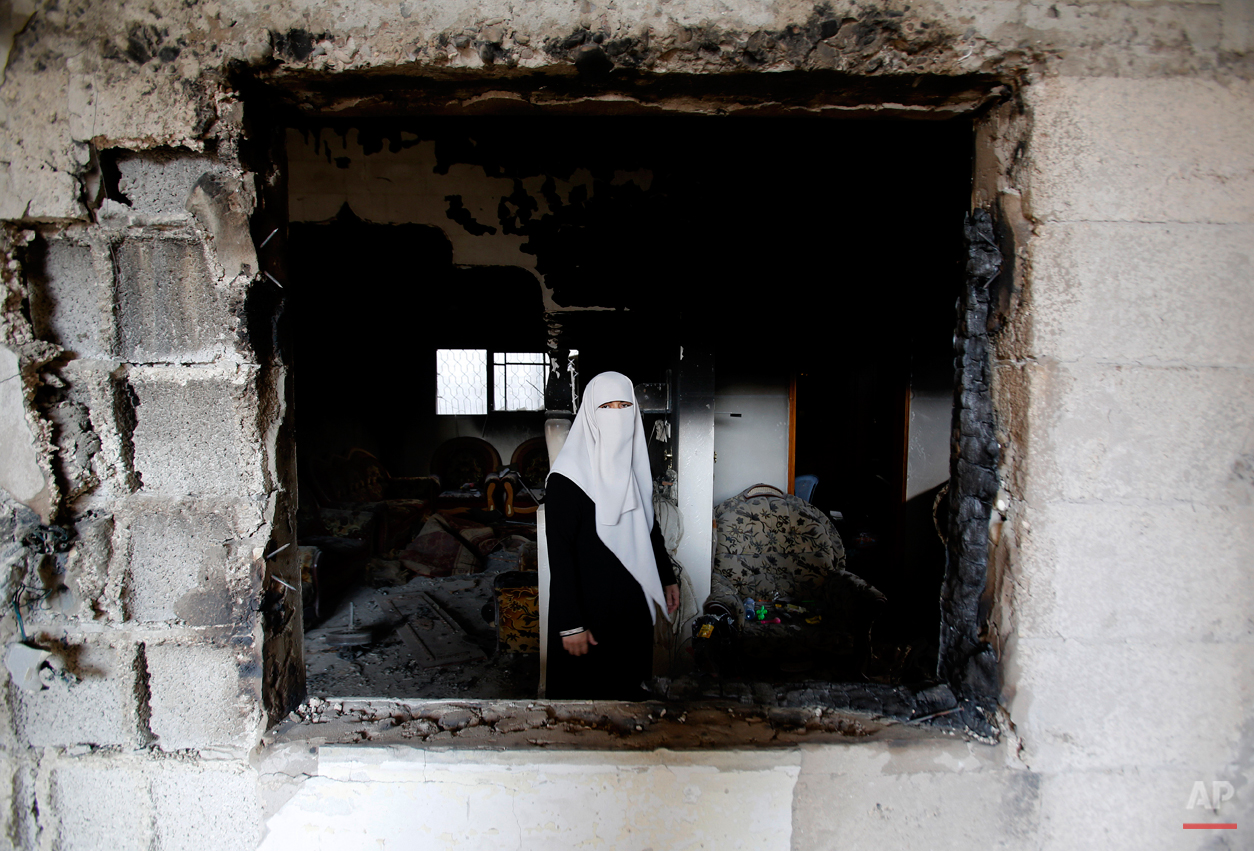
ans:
(610, 725)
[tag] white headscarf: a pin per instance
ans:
(606, 455)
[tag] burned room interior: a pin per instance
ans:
(453, 284)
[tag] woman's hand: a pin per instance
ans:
(577, 644)
(672, 598)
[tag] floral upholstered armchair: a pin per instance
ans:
(772, 546)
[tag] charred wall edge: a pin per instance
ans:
(967, 662)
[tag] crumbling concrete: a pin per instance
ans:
(20, 473)
(779, 717)
(156, 185)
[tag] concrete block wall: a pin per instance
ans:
(1124, 600)
(162, 423)
(174, 804)
(171, 393)
(1135, 600)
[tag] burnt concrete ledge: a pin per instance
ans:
(392, 92)
(796, 718)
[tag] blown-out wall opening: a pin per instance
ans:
(814, 263)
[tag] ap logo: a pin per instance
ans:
(1220, 791)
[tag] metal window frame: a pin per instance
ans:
(545, 365)
(489, 385)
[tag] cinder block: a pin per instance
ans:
(87, 568)
(1122, 40)
(100, 803)
(197, 431)
(157, 183)
(1088, 705)
(129, 110)
(201, 807)
(182, 564)
(878, 808)
(1143, 293)
(29, 189)
(168, 306)
(1101, 432)
(94, 704)
(1136, 572)
(202, 695)
(73, 305)
(1134, 810)
(1159, 149)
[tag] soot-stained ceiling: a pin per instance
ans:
(702, 217)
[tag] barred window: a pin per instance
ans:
(465, 385)
(518, 381)
(461, 381)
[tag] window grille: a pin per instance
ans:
(518, 381)
(461, 381)
(463, 388)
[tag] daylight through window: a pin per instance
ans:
(518, 381)
(461, 383)
(462, 388)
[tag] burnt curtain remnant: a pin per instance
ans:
(967, 662)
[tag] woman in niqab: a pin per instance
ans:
(609, 569)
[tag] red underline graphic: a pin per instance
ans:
(1201, 825)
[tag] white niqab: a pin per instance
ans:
(607, 456)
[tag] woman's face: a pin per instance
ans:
(616, 404)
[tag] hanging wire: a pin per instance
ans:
(45, 542)
(572, 362)
(30, 597)
(21, 627)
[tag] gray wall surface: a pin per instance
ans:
(138, 183)
(753, 447)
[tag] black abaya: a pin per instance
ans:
(590, 588)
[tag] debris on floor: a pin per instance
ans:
(421, 620)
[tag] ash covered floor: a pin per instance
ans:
(386, 666)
